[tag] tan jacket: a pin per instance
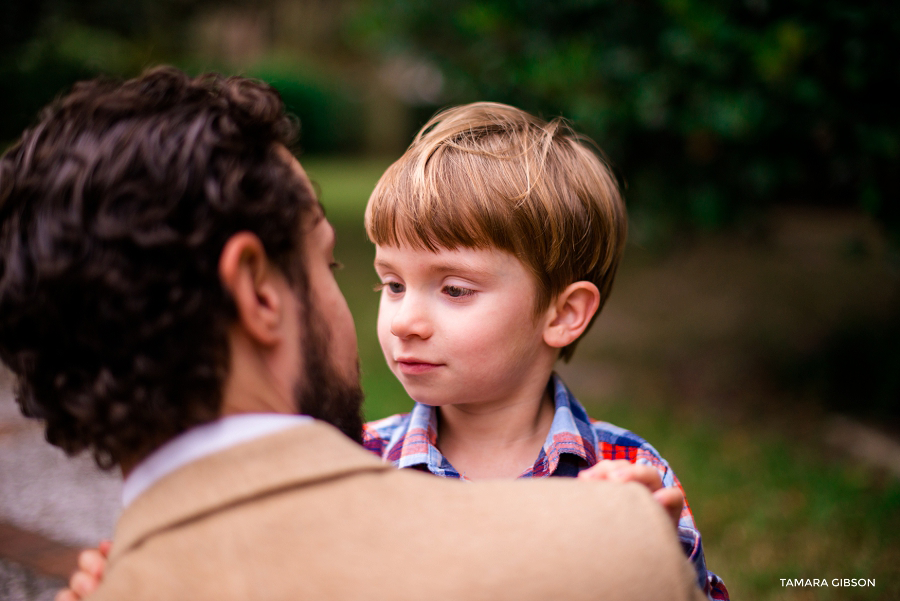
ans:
(307, 514)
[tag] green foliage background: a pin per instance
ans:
(710, 111)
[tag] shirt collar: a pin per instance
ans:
(419, 446)
(201, 441)
(570, 433)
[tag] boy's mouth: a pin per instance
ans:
(413, 367)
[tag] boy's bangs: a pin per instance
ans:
(440, 205)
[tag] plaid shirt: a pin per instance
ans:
(575, 442)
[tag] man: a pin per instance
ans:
(167, 301)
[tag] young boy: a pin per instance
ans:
(497, 240)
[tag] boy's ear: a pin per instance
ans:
(255, 285)
(571, 313)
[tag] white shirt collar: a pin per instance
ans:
(201, 441)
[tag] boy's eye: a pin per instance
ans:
(393, 287)
(457, 291)
(335, 265)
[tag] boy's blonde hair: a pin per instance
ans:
(488, 175)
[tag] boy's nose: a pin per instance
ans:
(411, 319)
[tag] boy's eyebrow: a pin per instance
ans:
(460, 266)
(446, 267)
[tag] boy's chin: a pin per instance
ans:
(424, 397)
(428, 400)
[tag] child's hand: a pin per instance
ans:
(671, 498)
(83, 582)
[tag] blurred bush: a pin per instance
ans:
(711, 110)
(328, 108)
(51, 63)
(47, 45)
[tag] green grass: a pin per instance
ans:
(769, 506)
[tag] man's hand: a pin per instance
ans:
(83, 582)
(671, 498)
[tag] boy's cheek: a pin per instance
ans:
(384, 336)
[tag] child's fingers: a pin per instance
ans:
(92, 562)
(65, 595)
(643, 474)
(602, 469)
(672, 500)
(83, 584)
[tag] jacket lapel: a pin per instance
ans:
(294, 457)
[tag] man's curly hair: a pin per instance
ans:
(114, 209)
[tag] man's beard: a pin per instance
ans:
(323, 393)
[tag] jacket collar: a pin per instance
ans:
(289, 458)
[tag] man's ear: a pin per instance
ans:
(255, 285)
(571, 313)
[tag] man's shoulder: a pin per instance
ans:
(445, 506)
(505, 525)
(430, 537)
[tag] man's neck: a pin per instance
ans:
(495, 440)
(250, 388)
